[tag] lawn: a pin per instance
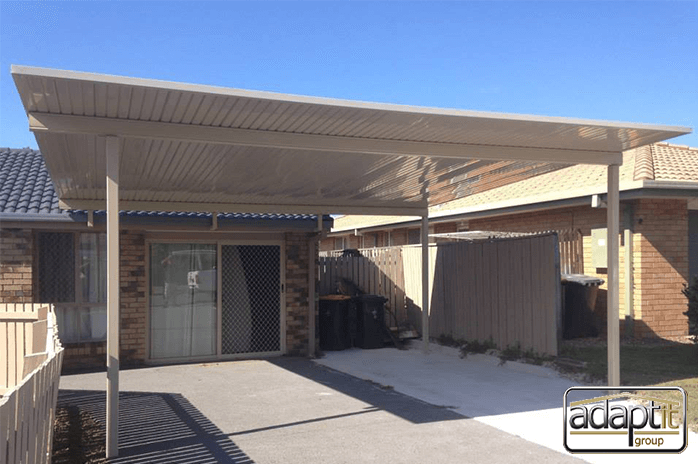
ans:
(649, 364)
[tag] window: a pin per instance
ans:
(72, 270)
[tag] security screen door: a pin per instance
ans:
(185, 306)
(251, 316)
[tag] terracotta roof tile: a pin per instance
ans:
(675, 162)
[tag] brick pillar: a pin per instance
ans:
(133, 306)
(297, 294)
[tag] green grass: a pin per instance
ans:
(691, 387)
(665, 364)
(640, 365)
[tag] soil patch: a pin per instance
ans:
(77, 438)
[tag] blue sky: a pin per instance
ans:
(622, 61)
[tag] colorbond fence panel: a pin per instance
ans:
(507, 290)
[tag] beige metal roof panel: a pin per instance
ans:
(67, 92)
(198, 144)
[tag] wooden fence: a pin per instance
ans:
(571, 251)
(378, 272)
(31, 358)
(504, 289)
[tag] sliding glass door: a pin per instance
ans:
(191, 317)
(183, 300)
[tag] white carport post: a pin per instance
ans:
(425, 281)
(612, 218)
(112, 155)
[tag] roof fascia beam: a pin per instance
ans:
(135, 205)
(58, 123)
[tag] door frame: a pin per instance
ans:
(218, 242)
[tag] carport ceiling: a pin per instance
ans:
(200, 148)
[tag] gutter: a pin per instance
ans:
(203, 222)
(38, 217)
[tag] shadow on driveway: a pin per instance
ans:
(159, 428)
(381, 397)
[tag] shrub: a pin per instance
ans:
(691, 292)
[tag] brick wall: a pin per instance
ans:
(297, 294)
(662, 267)
(16, 253)
(133, 287)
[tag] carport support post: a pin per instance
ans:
(112, 155)
(425, 281)
(613, 217)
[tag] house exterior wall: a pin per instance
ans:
(17, 264)
(662, 267)
(16, 272)
(133, 311)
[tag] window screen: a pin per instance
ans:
(56, 278)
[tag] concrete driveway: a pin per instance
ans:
(520, 399)
(288, 410)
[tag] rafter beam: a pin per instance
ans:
(101, 126)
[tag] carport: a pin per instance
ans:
(120, 143)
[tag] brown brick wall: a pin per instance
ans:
(662, 269)
(445, 228)
(16, 255)
(133, 306)
(84, 356)
(297, 294)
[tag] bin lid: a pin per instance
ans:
(335, 297)
(581, 279)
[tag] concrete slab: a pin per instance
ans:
(520, 399)
(287, 410)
